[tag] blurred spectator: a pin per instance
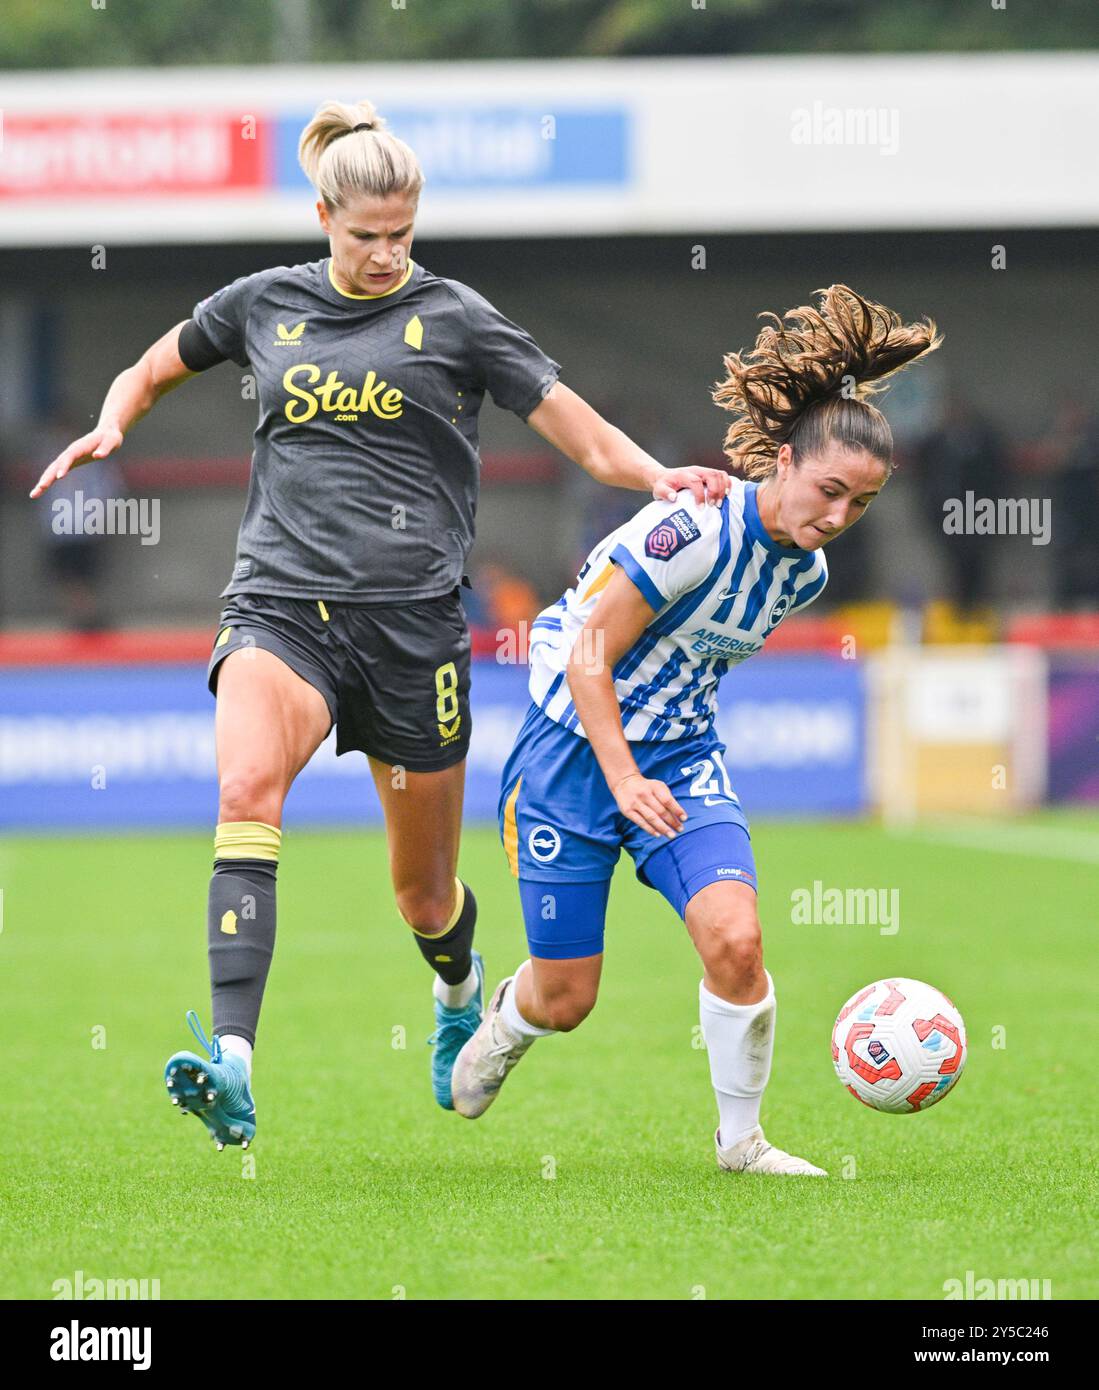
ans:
(75, 563)
(1062, 463)
(603, 509)
(512, 600)
(1049, 451)
(1075, 515)
(964, 454)
(499, 599)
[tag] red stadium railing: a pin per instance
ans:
(1058, 631)
(123, 648)
(188, 472)
(178, 646)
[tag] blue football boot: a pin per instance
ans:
(453, 1029)
(216, 1091)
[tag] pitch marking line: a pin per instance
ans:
(1038, 842)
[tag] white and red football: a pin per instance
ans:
(899, 1046)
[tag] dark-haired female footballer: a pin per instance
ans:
(343, 606)
(618, 748)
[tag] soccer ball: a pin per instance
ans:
(899, 1046)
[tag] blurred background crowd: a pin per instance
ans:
(635, 271)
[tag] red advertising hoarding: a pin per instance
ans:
(101, 154)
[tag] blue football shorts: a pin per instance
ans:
(563, 832)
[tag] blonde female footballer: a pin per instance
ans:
(619, 749)
(343, 606)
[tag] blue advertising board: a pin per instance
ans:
(484, 147)
(794, 727)
(133, 746)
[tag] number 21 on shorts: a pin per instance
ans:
(705, 783)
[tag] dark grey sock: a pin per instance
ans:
(451, 955)
(241, 937)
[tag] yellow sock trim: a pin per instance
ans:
(247, 839)
(459, 903)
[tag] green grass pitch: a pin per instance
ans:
(593, 1175)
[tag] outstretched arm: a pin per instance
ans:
(132, 394)
(571, 425)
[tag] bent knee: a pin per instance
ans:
(567, 1011)
(250, 794)
(734, 946)
(426, 912)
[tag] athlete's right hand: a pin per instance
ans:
(96, 444)
(649, 804)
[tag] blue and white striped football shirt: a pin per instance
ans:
(718, 585)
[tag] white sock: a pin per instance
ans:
(455, 996)
(239, 1047)
(740, 1039)
(513, 1020)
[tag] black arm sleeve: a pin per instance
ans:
(196, 351)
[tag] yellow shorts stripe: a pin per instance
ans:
(247, 839)
(511, 830)
(323, 610)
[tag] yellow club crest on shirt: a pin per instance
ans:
(414, 332)
(289, 335)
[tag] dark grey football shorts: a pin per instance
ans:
(395, 677)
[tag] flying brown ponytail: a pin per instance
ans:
(807, 379)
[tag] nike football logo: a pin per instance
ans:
(729, 593)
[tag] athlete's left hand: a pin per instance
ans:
(707, 484)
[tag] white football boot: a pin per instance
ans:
(482, 1066)
(755, 1155)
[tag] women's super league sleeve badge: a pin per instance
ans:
(671, 535)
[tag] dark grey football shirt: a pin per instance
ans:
(365, 469)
